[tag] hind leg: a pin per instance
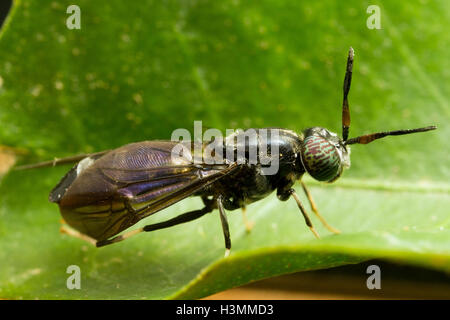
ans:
(185, 217)
(65, 229)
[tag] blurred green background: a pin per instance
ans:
(138, 70)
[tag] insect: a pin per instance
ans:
(108, 192)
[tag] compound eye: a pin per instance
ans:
(321, 158)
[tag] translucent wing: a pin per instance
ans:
(130, 183)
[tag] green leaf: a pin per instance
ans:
(138, 71)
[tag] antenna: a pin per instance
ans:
(368, 138)
(347, 83)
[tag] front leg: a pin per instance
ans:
(314, 209)
(284, 195)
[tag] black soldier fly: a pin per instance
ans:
(108, 192)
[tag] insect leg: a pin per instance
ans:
(76, 234)
(314, 209)
(248, 224)
(225, 228)
(305, 215)
(185, 217)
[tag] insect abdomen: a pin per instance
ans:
(60, 190)
(99, 221)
